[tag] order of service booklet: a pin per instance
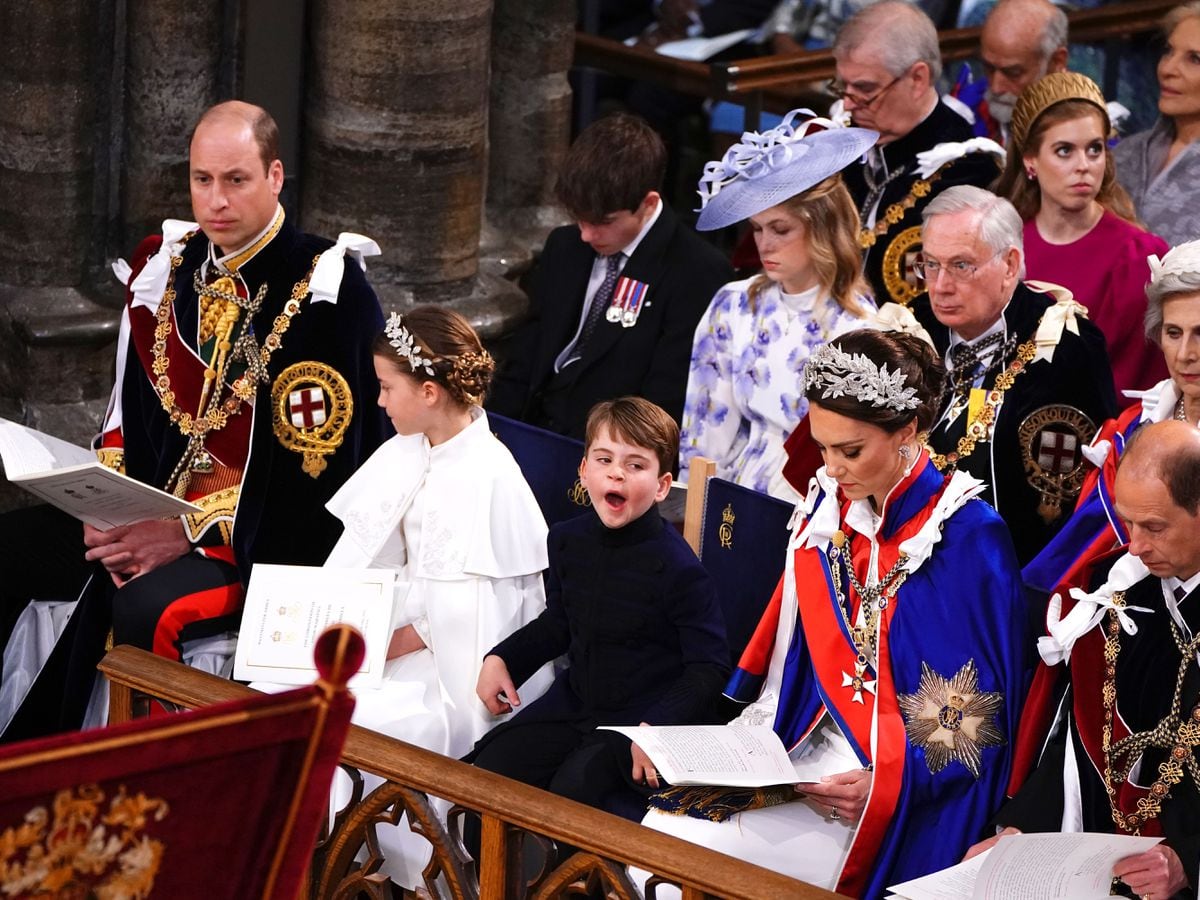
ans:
(730, 755)
(287, 608)
(72, 479)
(1049, 866)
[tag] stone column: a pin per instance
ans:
(54, 360)
(49, 91)
(395, 118)
(530, 111)
(174, 68)
(528, 131)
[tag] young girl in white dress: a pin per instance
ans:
(744, 392)
(445, 505)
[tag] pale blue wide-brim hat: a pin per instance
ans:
(764, 169)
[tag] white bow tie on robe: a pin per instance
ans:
(1090, 610)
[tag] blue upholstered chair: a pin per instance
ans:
(549, 462)
(743, 544)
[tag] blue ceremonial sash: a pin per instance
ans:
(1094, 527)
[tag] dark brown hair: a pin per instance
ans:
(459, 362)
(922, 368)
(1025, 193)
(641, 423)
(262, 125)
(613, 164)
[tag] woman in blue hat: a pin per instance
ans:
(744, 394)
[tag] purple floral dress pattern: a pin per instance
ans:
(744, 393)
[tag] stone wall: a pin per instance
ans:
(434, 127)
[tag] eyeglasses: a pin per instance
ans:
(960, 270)
(859, 98)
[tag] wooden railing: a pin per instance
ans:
(514, 816)
(779, 82)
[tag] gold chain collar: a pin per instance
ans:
(1185, 738)
(214, 414)
(867, 237)
(977, 429)
(872, 600)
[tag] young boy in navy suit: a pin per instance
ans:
(635, 613)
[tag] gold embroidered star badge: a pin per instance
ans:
(951, 719)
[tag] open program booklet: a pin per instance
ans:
(287, 608)
(1049, 866)
(72, 479)
(730, 755)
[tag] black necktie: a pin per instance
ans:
(600, 304)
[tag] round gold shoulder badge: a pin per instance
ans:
(899, 276)
(311, 407)
(1052, 440)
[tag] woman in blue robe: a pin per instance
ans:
(890, 660)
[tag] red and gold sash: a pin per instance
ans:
(877, 725)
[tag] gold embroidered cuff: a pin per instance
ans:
(218, 509)
(112, 457)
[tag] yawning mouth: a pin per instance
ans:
(614, 500)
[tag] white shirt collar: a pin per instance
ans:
(1169, 586)
(1000, 325)
(629, 248)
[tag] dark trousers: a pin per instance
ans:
(42, 559)
(592, 767)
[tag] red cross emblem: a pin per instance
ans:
(1057, 452)
(307, 407)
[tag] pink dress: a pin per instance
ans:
(1106, 271)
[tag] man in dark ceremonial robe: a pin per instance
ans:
(1028, 380)
(888, 65)
(245, 385)
(1124, 752)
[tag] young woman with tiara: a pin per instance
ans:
(445, 505)
(890, 660)
(744, 394)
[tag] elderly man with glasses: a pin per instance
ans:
(888, 64)
(1028, 379)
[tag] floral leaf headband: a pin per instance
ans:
(406, 345)
(854, 375)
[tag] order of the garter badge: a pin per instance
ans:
(1052, 440)
(899, 271)
(311, 409)
(951, 719)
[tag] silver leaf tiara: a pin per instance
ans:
(406, 345)
(840, 374)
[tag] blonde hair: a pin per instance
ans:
(831, 225)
